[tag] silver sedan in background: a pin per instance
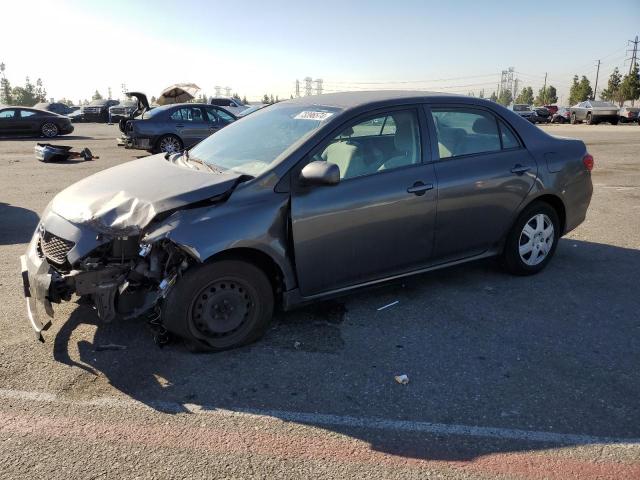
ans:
(592, 112)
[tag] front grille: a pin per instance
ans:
(55, 248)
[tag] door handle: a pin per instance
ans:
(420, 188)
(179, 126)
(519, 169)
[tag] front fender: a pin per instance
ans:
(258, 223)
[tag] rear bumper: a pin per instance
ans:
(577, 200)
(137, 143)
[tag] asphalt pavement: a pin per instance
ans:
(509, 377)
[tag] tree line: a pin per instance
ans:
(27, 95)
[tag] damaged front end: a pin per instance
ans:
(122, 277)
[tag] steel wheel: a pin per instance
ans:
(170, 144)
(49, 130)
(536, 239)
(222, 307)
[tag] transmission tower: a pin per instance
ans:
(297, 87)
(217, 89)
(634, 54)
(227, 91)
(318, 82)
(308, 87)
(506, 80)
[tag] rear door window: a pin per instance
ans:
(465, 131)
(187, 114)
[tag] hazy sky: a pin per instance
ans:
(258, 47)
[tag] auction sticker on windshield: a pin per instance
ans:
(310, 115)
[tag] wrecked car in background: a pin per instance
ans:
(304, 200)
(172, 128)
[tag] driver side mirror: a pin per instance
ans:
(320, 173)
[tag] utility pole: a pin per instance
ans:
(595, 89)
(634, 55)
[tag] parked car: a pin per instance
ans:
(629, 114)
(98, 110)
(553, 109)
(23, 120)
(251, 109)
(123, 110)
(563, 115)
(55, 107)
(230, 104)
(541, 115)
(304, 200)
(172, 128)
(592, 112)
(524, 111)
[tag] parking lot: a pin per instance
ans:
(519, 377)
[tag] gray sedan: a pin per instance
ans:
(592, 111)
(172, 128)
(304, 200)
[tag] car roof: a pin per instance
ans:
(357, 99)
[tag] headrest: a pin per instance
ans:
(485, 126)
(347, 132)
(404, 131)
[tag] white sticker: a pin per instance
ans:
(309, 115)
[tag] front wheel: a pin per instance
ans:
(588, 120)
(49, 130)
(220, 305)
(573, 119)
(533, 240)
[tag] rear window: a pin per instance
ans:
(521, 108)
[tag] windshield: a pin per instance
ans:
(250, 146)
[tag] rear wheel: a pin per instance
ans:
(220, 305)
(532, 240)
(169, 144)
(49, 130)
(573, 119)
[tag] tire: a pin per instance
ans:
(589, 119)
(220, 305)
(561, 120)
(614, 121)
(536, 244)
(573, 120)
(49, 130)
(163, 143)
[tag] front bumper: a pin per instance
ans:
(36, 280)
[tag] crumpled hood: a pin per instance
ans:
(123, 200)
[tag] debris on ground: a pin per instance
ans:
(389, 305)
(46, 152)
(110, 346)
(401, 379)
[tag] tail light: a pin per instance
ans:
(588, 161)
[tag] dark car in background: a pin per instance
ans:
(55, 107)
(23, 120)
(301, 201)
(593, 112)
(562, 115)
(122, 110)
(98, 111)
(524, 111)
(542, 115)
(172, 128)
